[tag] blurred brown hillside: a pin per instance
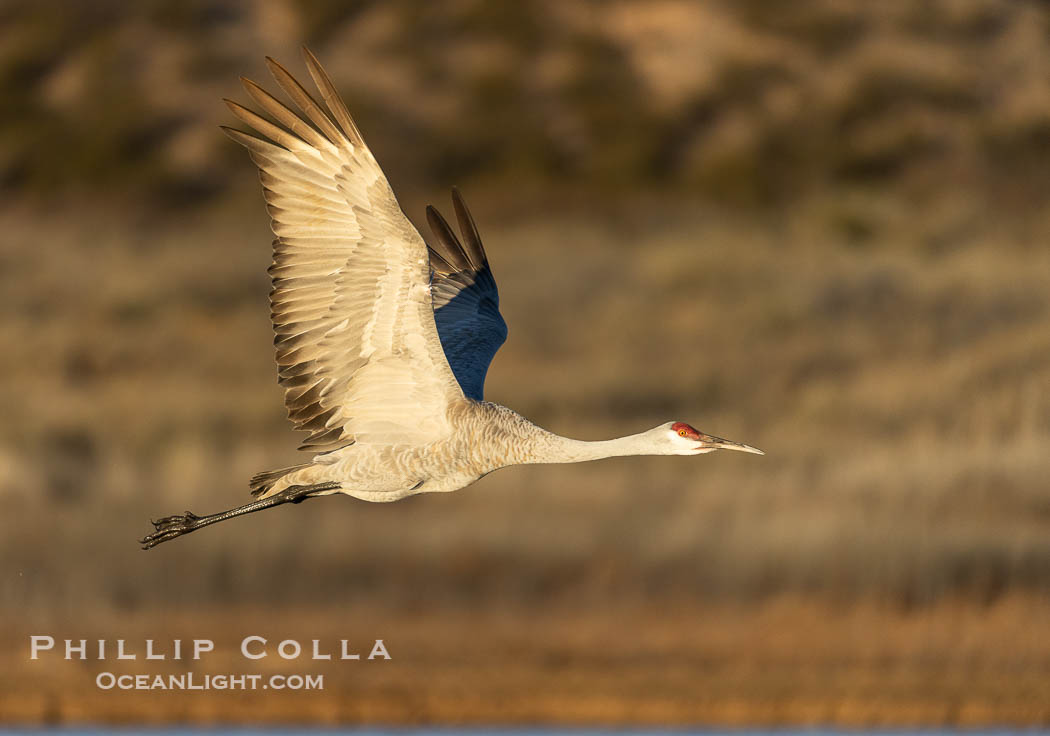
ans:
(750, 102)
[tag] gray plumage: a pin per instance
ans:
(382, 343)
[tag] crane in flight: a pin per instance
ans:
(382, 341)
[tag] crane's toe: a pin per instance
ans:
(170, 527)
(165, 521)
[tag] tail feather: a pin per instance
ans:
(260, 483)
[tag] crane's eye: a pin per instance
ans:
(681, 433)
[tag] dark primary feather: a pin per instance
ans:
(451, 258)
(466, 301)
(332, 99)
(472, 241)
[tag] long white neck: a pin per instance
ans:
(553, 448)
(514, 440)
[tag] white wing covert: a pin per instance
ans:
(466, 301)
(358, 351)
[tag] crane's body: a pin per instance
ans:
(484, 437)
(382, 341)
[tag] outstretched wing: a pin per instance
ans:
(357, 349)
(466, 302)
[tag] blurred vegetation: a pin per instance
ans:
(751, 103)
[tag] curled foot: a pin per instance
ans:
(170, 527)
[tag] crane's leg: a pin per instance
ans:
(175, 526)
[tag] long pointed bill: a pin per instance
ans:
(717, 443)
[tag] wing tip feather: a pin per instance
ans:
(474, 250)
(238, 136)
(332, 98)
(446, 245)
(466, 254)
(306, 102)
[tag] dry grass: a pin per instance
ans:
(785, 661)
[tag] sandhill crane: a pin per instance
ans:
(382, 342)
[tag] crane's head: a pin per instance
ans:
(685, 440)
